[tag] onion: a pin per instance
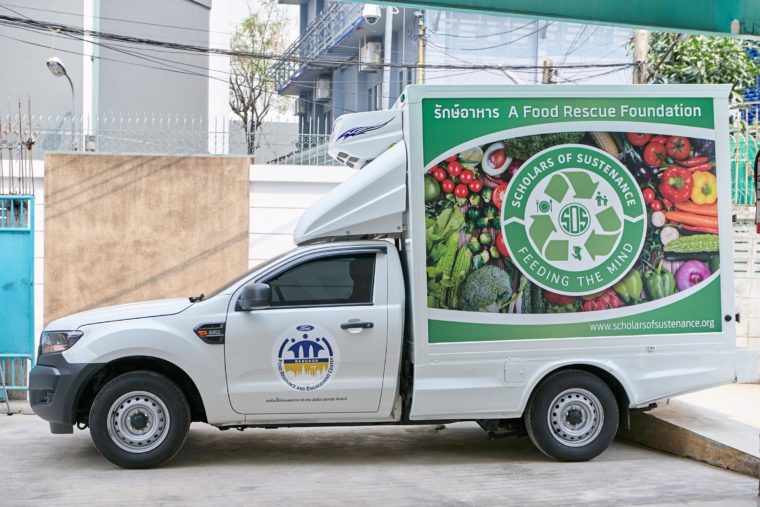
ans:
(668, 234)
(691, 273)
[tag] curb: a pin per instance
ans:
(653, 432)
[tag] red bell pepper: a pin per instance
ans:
(676, 184)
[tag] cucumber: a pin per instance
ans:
(697, 243)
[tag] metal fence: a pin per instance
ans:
(275, 142)
(745, 136)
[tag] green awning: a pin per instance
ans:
(715, 17)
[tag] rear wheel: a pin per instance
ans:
(572, 416)
(139, 420)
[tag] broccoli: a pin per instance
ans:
(485, 290)
(522, 148)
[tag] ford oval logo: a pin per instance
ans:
(305, 327)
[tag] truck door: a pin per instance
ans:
(320, 346)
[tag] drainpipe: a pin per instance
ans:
(421, 47)
(387, 49)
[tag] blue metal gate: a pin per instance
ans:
(16, 288)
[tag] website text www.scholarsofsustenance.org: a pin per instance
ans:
(654, 325)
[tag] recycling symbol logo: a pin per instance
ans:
(574, 219)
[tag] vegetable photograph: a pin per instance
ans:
(469, 264)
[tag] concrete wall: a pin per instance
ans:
(128, 228)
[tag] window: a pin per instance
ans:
(338, 280)
(374, 97)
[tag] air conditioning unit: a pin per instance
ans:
(324, 89)
(300, 107)
(371, 56)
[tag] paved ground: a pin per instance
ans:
(365, 466)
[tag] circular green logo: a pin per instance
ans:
(574, 219)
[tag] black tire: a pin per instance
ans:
(572, 416)
(139, 420)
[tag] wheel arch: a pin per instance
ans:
(609, 377)
(112, 369)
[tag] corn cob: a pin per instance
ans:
(605, 142)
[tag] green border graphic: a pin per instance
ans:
(451, 122)
(698, 307)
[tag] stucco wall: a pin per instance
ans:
(129, 228)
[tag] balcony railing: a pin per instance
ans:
(325, 32)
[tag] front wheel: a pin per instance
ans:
(139, 420)
(572, 416)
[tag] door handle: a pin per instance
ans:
(357, 325)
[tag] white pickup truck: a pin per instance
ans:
(538, 259)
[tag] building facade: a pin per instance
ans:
(111, 80)
(335, 66)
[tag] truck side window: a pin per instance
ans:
(338, 280)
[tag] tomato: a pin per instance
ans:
(475, 186)
(667, 203)
(498, 195)
(461, 191)
(466, 176)
(454, 168)
(656, 205)
(655, 154)
(678, 147)
(432, 188)
(648, 195)
(452, 158)
(501, 246)
(660, 139)
(439, 173)
(447, 186)
(637, 139)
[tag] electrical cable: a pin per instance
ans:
(45, 27)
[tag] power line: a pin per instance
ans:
(46, 27)
(133, 21)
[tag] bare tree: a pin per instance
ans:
(251, 85)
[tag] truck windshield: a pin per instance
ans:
(248, 273)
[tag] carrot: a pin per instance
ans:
(707, 230)
(698, 209)
(685, 218)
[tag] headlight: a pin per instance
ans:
(58, 341)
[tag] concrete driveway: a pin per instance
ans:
(352, 466)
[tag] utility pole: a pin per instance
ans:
(548, 71)
(640, 52)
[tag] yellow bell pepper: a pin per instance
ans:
(705, 190)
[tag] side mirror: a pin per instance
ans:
(254, 296)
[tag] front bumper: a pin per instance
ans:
(54, 387)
